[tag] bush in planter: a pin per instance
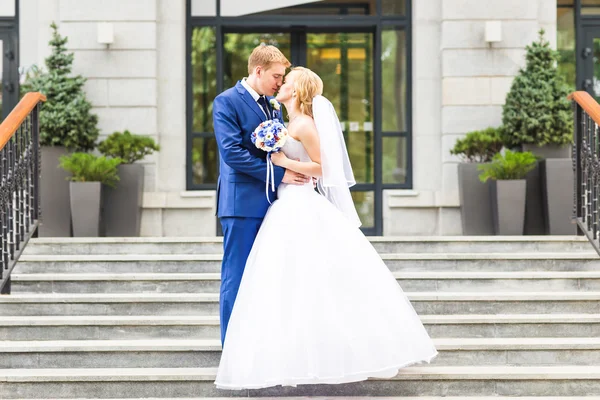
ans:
(66, 118)
(130, 148)
(479, 146)
(508, 166)
(537, 111)
(508, 189)
(476, 147)
(89, 174)
(86, 167)
(66, 124)
(123, 213)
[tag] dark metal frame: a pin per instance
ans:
(586, 168)
(9, 30)
(314, 23)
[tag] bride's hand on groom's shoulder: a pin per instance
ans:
(279, 159)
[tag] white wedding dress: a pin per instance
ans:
(316, 303)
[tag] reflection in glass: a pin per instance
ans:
(393, 65)
(596, 78)
(565, 38)
(205, 168)
(344, 61)
(393, 7)
(365, 207)
(590, 7)
(239, 46)
(204, 77)
(236, 8)
(394, 160)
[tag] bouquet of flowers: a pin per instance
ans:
(269, 136)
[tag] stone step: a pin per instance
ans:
(186, 353)
(207, 327)
(209, 245)
(369, 398)
(207, 303)
(199, 382)
(211, 263)
(528, 281)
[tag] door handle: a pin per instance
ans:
(586, 52)
(587, 84)
(9, 54)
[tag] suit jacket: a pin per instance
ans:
(243, 167)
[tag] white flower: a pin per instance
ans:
(275, 104)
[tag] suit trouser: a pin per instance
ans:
(238, 236)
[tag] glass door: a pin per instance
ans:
(344, 60)
(590, 56)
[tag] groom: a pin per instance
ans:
(241, 199)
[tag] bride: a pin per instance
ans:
(316, 304)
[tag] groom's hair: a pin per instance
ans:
(264, 55)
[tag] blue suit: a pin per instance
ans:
(241, 198)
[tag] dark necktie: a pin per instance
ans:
(262, 101)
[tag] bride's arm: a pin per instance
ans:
(306, 131)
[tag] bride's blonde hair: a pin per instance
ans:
(307, 85)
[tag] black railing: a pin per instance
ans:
(586, 165)
(20, 182)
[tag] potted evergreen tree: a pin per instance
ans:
(66, 125)
(537, 117)
(507, 189)
(475, 148)
(123, 214)
(89, 173)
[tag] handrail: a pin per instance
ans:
(19, 182)
(587, 102)
(18, 114)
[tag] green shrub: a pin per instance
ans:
(479, 146)
(86, 167)
(130, 148)
(537, 110)
(508, 166)
(65, 118)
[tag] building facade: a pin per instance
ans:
(408, 77)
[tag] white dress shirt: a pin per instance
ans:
(254, 95)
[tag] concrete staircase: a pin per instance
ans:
(137, 318)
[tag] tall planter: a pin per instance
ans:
(54, 194)
(123, 204)
(475, 204)
(535, 222)
(550, 192)
(557, 195)
(549, 150)
(508, 206)
(86, 208)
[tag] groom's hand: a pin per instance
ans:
(294, 178)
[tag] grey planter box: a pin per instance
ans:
(54, 195)
(549, 151)
(475, 203)
(557, 200)
(86, 208)
(123, 204)
(508, 206)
